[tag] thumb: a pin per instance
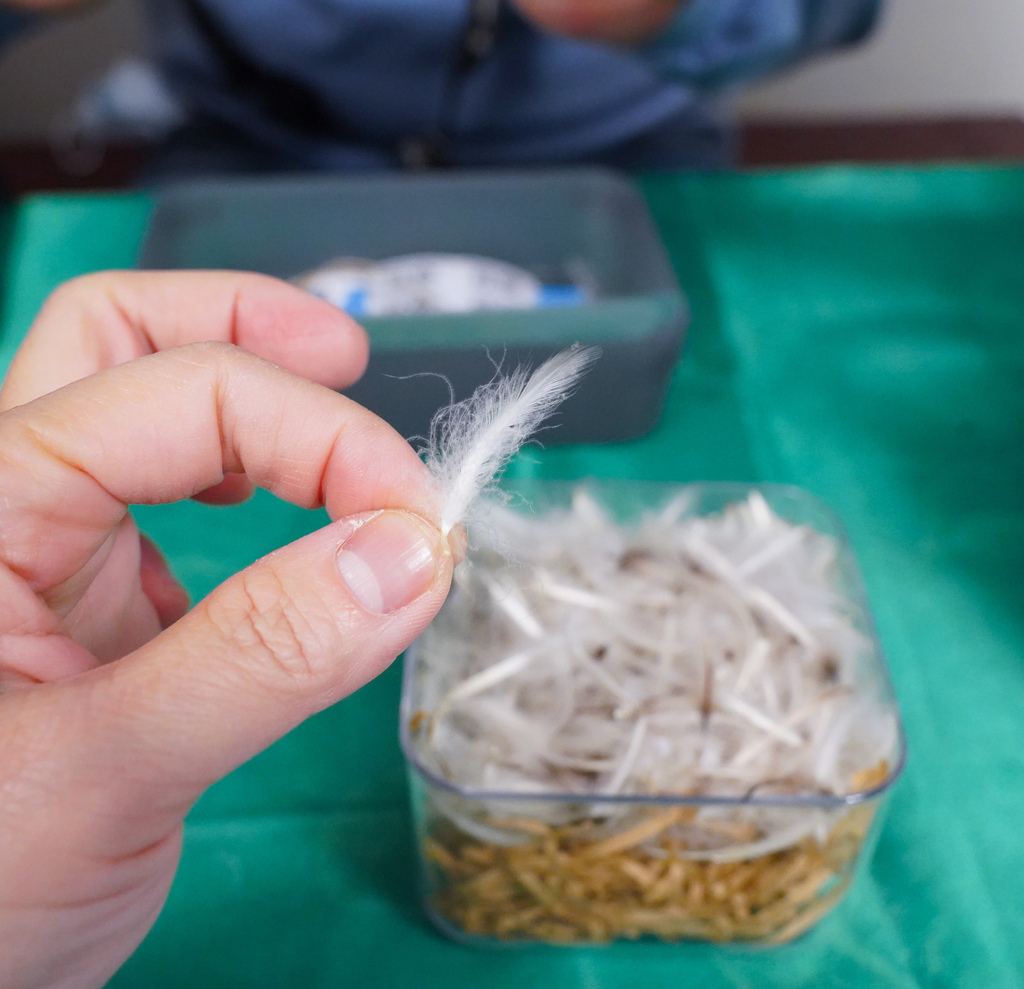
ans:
(277, 642)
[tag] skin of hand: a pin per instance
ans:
(621, 22)
(117, 706)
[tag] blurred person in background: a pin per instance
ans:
(372, 84)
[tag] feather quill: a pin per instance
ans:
(472, 441)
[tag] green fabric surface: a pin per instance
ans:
(6, 218)
(858, 332)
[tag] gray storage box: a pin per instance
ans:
(564, 226)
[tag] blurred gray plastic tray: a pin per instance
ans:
(568, 225)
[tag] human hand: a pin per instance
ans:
(109, 728)
(626, 22)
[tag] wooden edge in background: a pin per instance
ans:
(897, 141)
(32, 167)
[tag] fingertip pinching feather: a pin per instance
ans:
(472, 441)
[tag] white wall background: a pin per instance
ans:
(927, 58)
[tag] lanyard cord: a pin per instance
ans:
(481, 32)
(475, 44)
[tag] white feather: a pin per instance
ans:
(471, 441)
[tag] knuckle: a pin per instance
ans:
(80, 285)
(279, 644)
(87, 293)
(208, 351)
(72, 296)
(217, 358)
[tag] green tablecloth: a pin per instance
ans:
(856, 332)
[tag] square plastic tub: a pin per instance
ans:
(668, 716)
(577, 225)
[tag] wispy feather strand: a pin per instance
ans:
(472, 441)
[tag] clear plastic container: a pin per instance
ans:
(747, 858)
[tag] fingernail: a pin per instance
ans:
(389, 561)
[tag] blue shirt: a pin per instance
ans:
(345, 83)
(350, 83)
(11, 23)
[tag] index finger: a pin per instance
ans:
(163, 427)
(100, 320)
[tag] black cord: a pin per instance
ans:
(475, 44)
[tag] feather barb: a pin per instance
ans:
(473, 440)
